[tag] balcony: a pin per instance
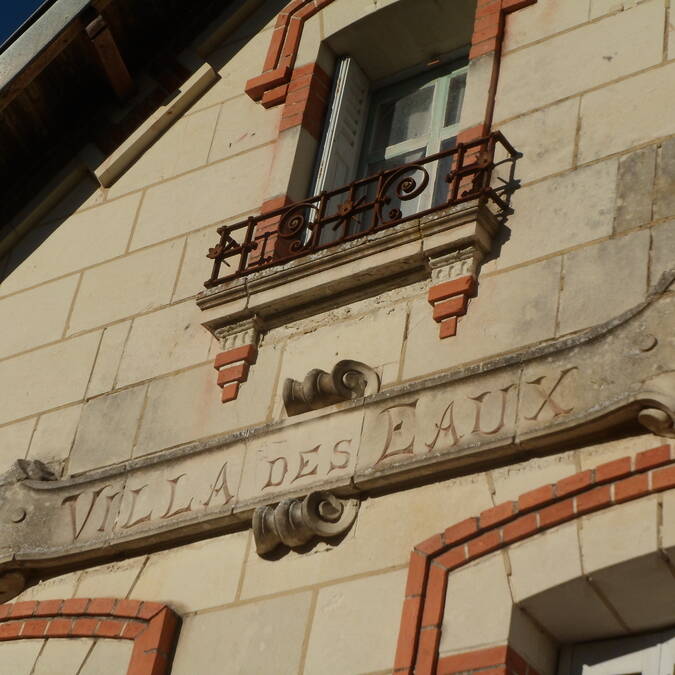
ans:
(481, 171)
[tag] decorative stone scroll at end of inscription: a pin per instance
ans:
(27, 469)
(295, 522)
(347, 380)
(660, 419)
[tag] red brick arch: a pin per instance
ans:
(153, 627)
(432, 560)
(272, 85)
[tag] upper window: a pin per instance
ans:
(369, 130)
(414, 119)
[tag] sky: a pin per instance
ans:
(13, 13)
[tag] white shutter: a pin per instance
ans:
(347, 113)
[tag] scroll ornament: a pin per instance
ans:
(348, 380)
(295, 522)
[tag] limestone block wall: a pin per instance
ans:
(335, 608)
(100, 330)
(77, 656)
(103, 356)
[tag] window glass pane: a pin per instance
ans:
(455, 99)
(404, 118)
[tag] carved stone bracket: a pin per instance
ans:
(453, 278)
(27, 469)
(295, 522)
(347, 380)
(240, 344)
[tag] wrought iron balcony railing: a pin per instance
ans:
(464, 173)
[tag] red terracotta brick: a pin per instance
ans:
(453, 307)
(434, 601)
(274, 97)
(652, 458)
(663, 478)
(593, 500)
(471, 134)
(126, 608)
(556, 513)
(161, 632)
(48, 608)
(59, 627)
(23, 609)
(537, 497)
(462, 285)
(5, 610)
(257, 86)
(408, 631)
(573, 484)
(10, 630)
(417, 574)
(514, 5)
(276, 43)
(133, 629)
(34, 628)
(460, 531)
(522, 527)
(248, 353)
(432, 545)
(149, 610)
(229, 392)
(237, 373)
(498, 514)
(110, 628)
(474, 660)
(613, 470)
(74, 606)
(490, 541)
(482, 48)
(448, 328)
(630, 488)
(84, 627)
(101, 606)
(515, 662)
(427, 653)
(453, 558)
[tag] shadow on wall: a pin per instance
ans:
(88, 189)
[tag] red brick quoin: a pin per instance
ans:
(233, 366)
(432, 560)
(153, 627)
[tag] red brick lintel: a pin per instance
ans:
(271, 86)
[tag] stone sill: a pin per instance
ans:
(361, 268)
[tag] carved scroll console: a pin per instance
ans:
(299, 478)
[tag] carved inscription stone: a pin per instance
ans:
(533, 399)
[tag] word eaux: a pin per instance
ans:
(107, 508)
(471, 418)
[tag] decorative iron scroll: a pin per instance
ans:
(347, 380)
(295, 522)
(367, 206)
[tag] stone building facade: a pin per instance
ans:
(418, 424)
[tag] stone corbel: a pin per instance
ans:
(453, 278)
(346, 381)
(240, 351)
(295, 522)
(658, 413)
